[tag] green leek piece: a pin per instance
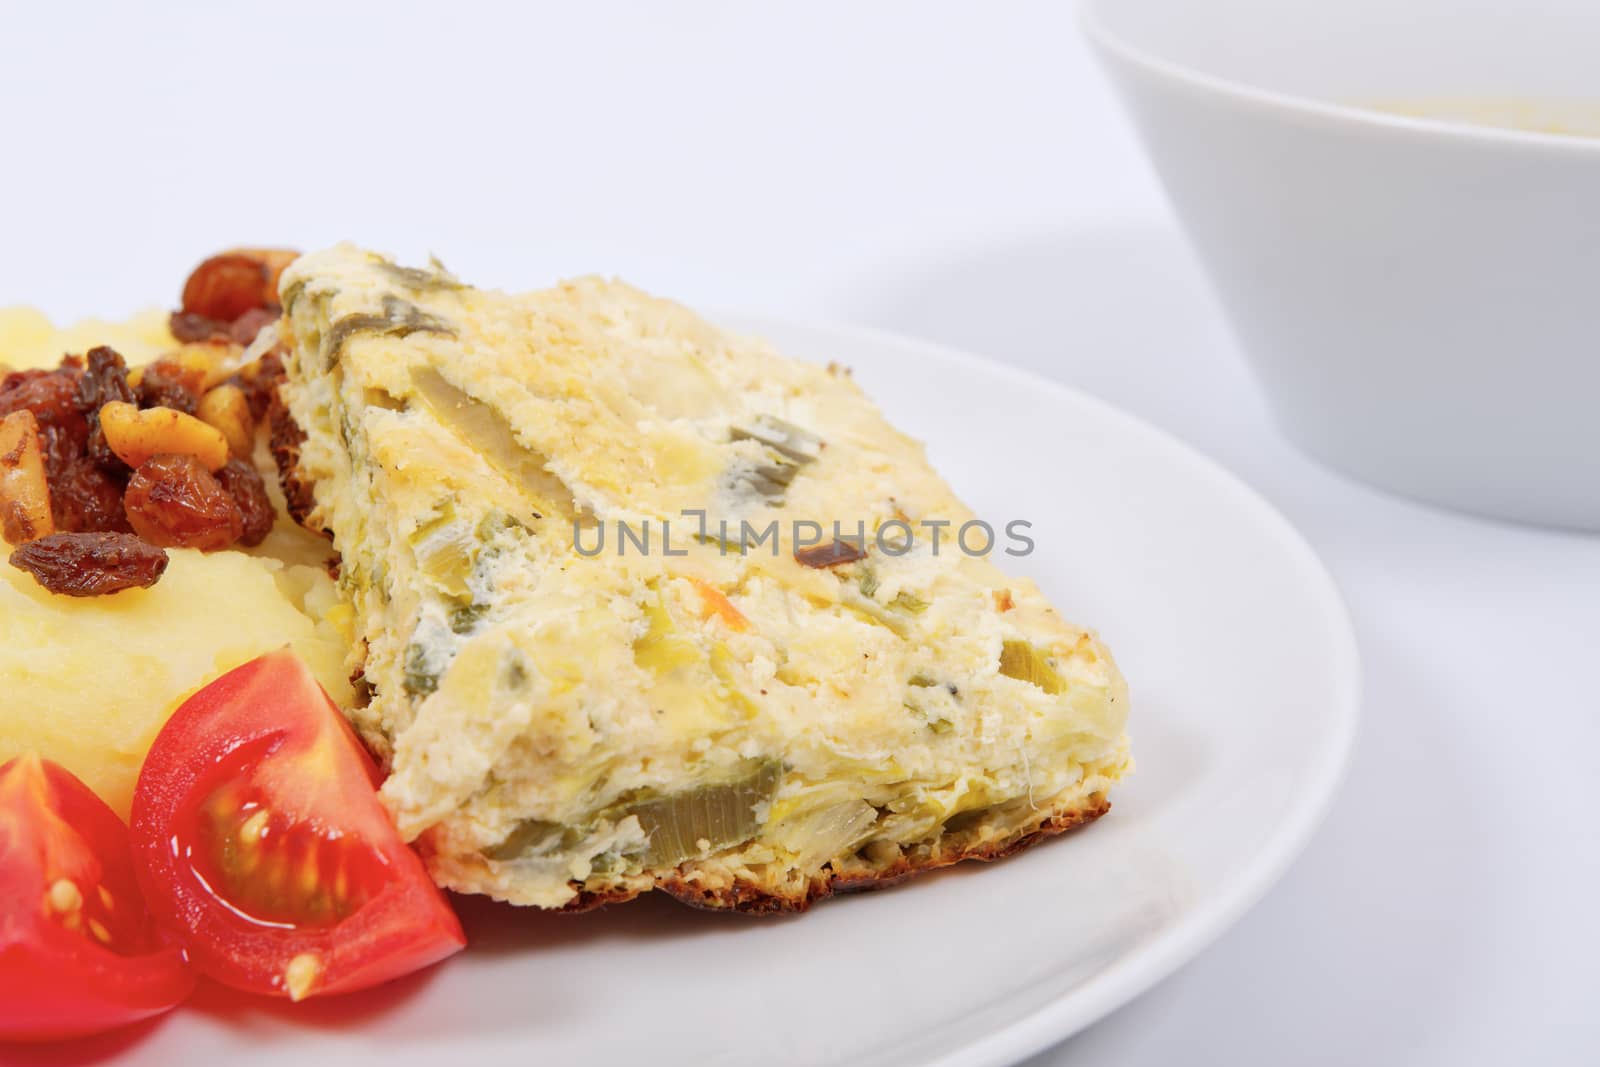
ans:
(722, 815)
(419, 679)
(488, 431)
(1022, 661)
(531, 837)
(400, 318)
(788, 448)
(794, 443)
(909, 602)
(445, 550)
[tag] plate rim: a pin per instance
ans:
(1138, 969)
(1147, 964)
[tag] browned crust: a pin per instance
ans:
(758, 900)
(285, 440)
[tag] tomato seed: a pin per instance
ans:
(301, 974)
(278, 870)
(254, 828)
(64, 895)
(308, 871)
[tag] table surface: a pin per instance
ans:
(953, 171)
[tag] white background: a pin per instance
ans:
(955, 171)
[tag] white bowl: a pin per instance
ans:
(1419, 298)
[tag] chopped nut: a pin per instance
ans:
(228, 409)
(24, 492)
(214, 362)
(136, 435)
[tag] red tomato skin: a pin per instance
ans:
(264, 721)
(57, 983)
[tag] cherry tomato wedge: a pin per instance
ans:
(78, 951)
(264, 849)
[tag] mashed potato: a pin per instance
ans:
(29, 339)
(89, 682)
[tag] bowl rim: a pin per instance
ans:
(1112, 46)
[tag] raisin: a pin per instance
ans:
(166, 383)
(91, 564)
(244, 483)
(190, 328)
(226, 286)
(246, 326)
(259, 380)
(172, 500)
(60, 448)
(12, 380)
(99, 451)
(84, 498)
(105, 378)
(50, 394)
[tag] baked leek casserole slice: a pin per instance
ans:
(607, 649)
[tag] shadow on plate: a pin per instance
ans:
(495, 929)
(334, 1013)
(84, 1051)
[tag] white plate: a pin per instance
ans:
(1245, 687)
